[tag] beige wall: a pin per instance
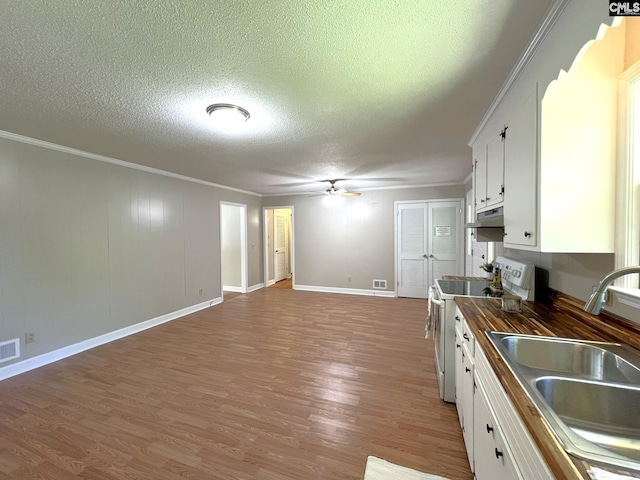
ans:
(354, 240)
(89, 247)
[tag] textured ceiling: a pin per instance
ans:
(381, 92)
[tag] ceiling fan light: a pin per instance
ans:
(227, 115)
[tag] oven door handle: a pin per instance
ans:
(434, 304)
(435, 298)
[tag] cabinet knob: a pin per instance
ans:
(457, 318)
(527, 234)
(465, 336)
(489, 429)
(467, 369)
(481, 200)
(457, 345)
(498, 453)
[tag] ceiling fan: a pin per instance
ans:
(334, 191)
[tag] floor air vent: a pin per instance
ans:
(380, 284)
(9, 350)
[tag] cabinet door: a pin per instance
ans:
(520, 175)
(491, 457)
(495, 171)
(480, 177)
(459, 377)
(467, 402)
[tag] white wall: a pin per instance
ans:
(354, 240)
(89, 247)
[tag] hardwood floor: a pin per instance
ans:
(286, 283)
(272, 385)
(227, 295)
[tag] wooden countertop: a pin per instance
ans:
(560, 316)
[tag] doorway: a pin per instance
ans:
(233, 248)
(429, 244)
(279, 247)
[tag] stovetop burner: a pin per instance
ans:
(469, 288)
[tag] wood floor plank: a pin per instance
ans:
(275, 384)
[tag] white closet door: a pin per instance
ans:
(413, 277)
(445, 239)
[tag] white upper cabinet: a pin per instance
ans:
(488, 172)
(520, 175)
(480, 176)
(578, 150)
(495, 169)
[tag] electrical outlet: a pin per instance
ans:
(200, 292)
(29, 337)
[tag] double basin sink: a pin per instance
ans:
(588, 392)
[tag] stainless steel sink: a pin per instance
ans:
(593, 360)
(598, 417)
(588, 392)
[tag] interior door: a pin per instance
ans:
(281, 245)
(445, 239)
(413, 277)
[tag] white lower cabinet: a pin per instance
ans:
(459, 378)
(467, 402)
(491, 455)
(498, 444)
(464, 385)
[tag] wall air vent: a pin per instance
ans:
(380, 284)
(9, 350)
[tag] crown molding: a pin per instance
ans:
(115, 161)
(543, 30)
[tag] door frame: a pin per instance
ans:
(244, 254)
(395, 234)
(292, 244)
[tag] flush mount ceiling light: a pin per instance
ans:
(227, 115)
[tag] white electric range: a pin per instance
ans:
(518, 278)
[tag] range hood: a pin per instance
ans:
(489, 218)
(489, 226)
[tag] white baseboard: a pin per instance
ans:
(255, 287)
(64, 352)
(271, 282)
(226, 288)
(347, 291)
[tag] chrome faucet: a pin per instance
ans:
(596, 301)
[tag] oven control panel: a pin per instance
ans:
(517, 277)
